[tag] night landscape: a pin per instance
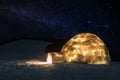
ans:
(30, 29)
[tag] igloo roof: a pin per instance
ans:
(86, 48)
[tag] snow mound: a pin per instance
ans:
(24, 47)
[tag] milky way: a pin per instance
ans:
(56, 19)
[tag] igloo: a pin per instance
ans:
(86, 48)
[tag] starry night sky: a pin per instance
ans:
(60, 19)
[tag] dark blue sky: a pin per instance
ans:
(59, 19)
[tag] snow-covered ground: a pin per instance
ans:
(22, 49)
(16, 69)
(9, 70)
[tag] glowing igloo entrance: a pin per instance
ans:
(86, 48)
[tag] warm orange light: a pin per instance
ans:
(49, 58)
(57, 57)
(37, 62)
(86, 48)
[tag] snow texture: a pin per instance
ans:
(18, 70)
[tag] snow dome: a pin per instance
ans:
(86, 48)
